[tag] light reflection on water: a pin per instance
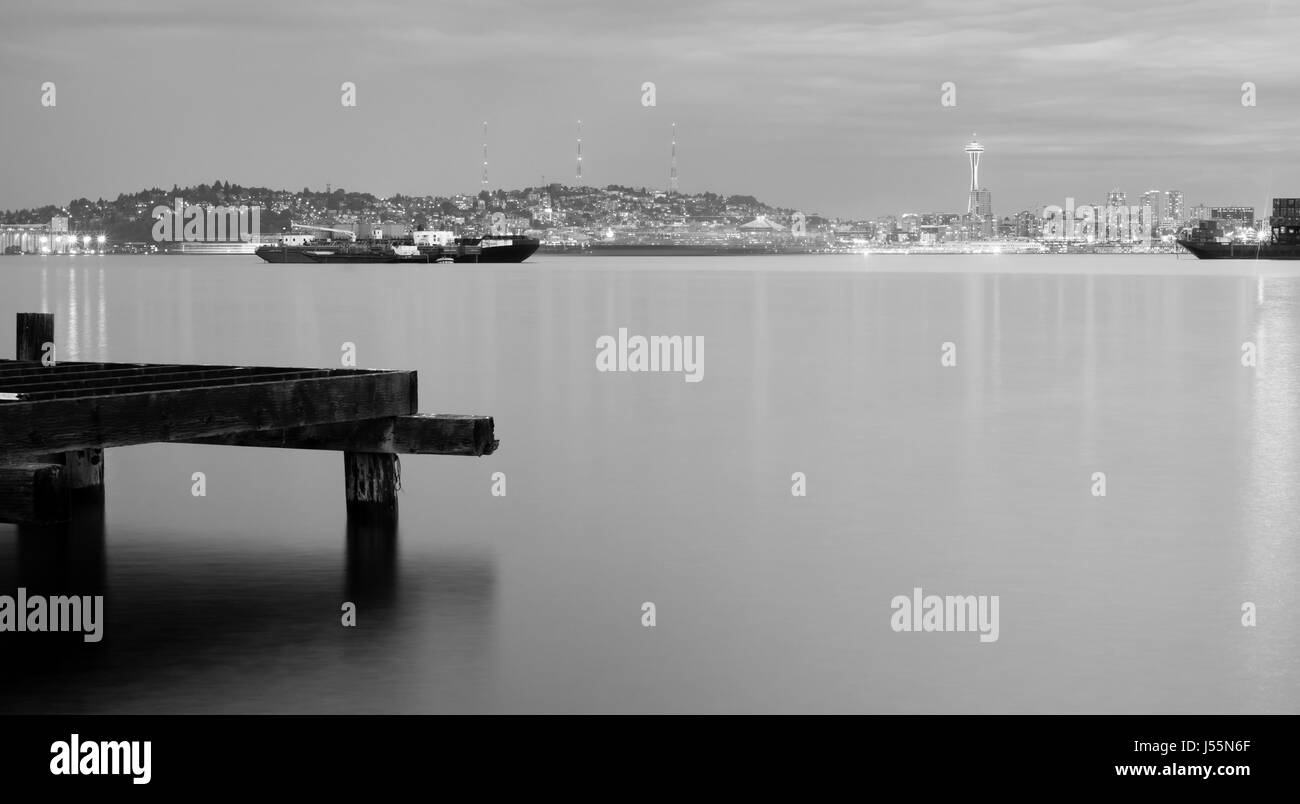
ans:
(625, 488)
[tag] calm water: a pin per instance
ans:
(624, 488)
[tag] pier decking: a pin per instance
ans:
(56, 420)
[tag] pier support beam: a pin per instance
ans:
(372, 480)
(417, 434)
(83, 470)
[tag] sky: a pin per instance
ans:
(827, 106)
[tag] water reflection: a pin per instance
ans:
(1268, 504)
(371, 577)
(215, 632)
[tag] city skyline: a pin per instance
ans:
(1167, 205)
(786, 107)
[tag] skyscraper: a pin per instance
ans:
(1153, 213)
(1153, 205)
(1174, 208)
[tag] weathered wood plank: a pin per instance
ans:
(32, 493)
(63, 375)
(14, 370)
(142, 418)
(419, 434)
(54, 378)
(78, 390)
(25, 369)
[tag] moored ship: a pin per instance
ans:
(600, 249)
(418, 247)
(1283, 245)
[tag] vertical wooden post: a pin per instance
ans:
(371, 480)
(33, 492)
(83, 470)
(34, 331)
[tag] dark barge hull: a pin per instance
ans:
(668, 250)
(1242, 251)
(518, 250)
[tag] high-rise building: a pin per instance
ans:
(1026, 224)
(1174, 208)
(887, 229)
(1116, 198)
(982, 222)
(1153, 208)
(979, 201)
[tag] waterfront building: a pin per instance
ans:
(27, 238)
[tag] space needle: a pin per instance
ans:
(973, 151)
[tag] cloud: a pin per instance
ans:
(832, 104)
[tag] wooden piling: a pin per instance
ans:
(33, 492)
(34, 331)
(83, 470)
(371, 480)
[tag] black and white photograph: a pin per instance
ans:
(931, 362)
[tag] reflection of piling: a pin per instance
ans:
(371, 559)
(65, 558)
(60, 560)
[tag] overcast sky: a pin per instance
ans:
(829, 106)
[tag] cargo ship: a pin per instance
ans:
(417, 247)
(1283, 245)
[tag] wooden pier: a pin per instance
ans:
(57, 419)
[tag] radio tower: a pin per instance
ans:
(485, 184)
(672, 173)
(579, 174)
